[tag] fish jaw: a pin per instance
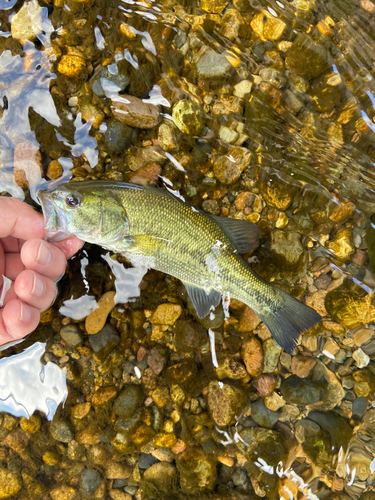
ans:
(55, 223)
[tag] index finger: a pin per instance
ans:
(19, 220)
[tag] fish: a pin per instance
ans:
(152, 227)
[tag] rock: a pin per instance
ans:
(252, 355)
(27, 162)
(214, 6)
(228, 168)
(161, 479)
(213, 66)
(302, 391)
(146, 460)
(197, 470)
(361, 359)
(302, 366)
(211, 207)
(326, 97)
(60, 430)
(118, 136)
(317, 302)
(273, 76)
(71, 334)
(364, 383)
(166, 314)
(231, 368)
(362, 336)
(10, 483)
(117, 470)
(95, 321)
(103, 395)
(189, 336)
(359, 257)
(262, 415)
(81, 410)
(342, 246)
(350, 305)
(106, 77)
(342, 211)
(31, 425)
(167, 137)
(248, 320)
(64, 492)
(134, 112)
(104, 342)
(225, 401)
(117, 494)
(266, 384)
(288, 252)
(274, 402)
(72, 65)
(54, 170)
(272, 352)
(318, 448)
(90, 481)
(188, 117)
(267, 27)
(359, 407)
(157, 359)
(26, 24)
(307, 57)
(242, 88)
(128, 401)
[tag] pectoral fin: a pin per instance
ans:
(244, 234)
(203, 301)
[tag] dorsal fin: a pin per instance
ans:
(244, 234)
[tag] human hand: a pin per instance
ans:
(31, 263)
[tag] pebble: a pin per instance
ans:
(104, 342)
(242, 88)
(97, 318)
(157, 359)
(10, 483)
(248, 320)
(302, 391)
(166, 314)
(188, 116)
(302, 366)
(30, 425)
(272, 352)
(26, 24)
(134, 112)
(266, 384)
(267, 27)
(263, 416)
(362, 336)
(317, 302)
(274, 402)
(81, 410)
(118, 136)
(197, 470)
(252, 355)
(128, 401)
(71, 334)
(117, 470)
(54, 170)
(214, 6)
(342, 246)
(90, 481)
(225, 401)
(116, 494)
(63, 492)
(361, 359)
(60, 430)
(228, 168)
(103, 395)
(71, 65)
(213, 66)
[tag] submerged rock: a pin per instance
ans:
(302, 391)
(128, 401)
(10, 483)
(189, 117)
(134, 112)
(225, 401)
(307, 57)
(262, 415)
(228, 168)
(213, 66)
(197, 470)
(288, 252)
(160, 478)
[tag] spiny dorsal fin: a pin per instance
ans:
(202, 300)
(244, 234)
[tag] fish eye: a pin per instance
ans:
(72, 201)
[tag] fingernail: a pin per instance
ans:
(44, 256)
(38, 286)
(25, 314)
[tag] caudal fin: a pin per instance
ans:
(288, 319)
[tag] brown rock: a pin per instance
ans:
(166, 314)
(54, 170)
(266, 384)
(302, 366)
(64, 492)
(359, 257)
(225, 401)
(117, 470)
(248, 320)
(252, 355)
(95, 321)
(103, 395)
(157, 359)
(81, 410)
(119, 495)
(316, 301)
(134, 112)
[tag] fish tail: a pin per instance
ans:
(287, 318)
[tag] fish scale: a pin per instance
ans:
(152, 227)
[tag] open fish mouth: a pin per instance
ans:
(54, 218)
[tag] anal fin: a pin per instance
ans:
(203, 300)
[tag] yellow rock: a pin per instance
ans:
(71, 65)
(9, 483)
(97, 318)
(165, 441)
(54, 170)
(30, 425)
(342, 246)
(267, 27)
(214, 6)
(51, 458)
(27, 23)
(81, 410)
(127, 31)
(63, 493)
(342, 211)
(166, 314)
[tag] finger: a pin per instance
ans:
(2, 265)
(70, 246)
(43, 258)
(20, 220)
(11, 244)
(13, 265)
(17, 320)
(10, 295)
(35, 290)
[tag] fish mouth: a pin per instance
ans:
(54, 218)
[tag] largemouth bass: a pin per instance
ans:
(152, 227)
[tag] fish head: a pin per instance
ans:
(87, 212)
